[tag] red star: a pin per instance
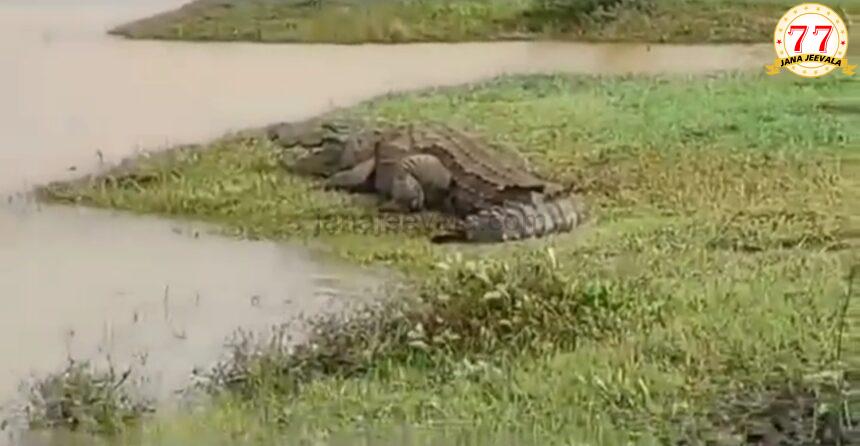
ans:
(779, 42)
(843, 42)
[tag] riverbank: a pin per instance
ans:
(397, 21)
(711, 275)
(60, 269)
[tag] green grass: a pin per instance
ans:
(395, 21)
(712, 272)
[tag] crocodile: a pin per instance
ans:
(434, 166)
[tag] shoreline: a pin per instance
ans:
(649, 180)
(348, 22)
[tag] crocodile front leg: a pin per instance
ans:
(355, 179)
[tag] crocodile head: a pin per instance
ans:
(311, 132)
(323, 160)
(323, 148)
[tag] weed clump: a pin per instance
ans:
(564, 15)
(81, 398)
(487, 310)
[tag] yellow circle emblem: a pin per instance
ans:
(810, 40)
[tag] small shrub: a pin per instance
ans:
(81, 398)
(562, 14)
(489, 309)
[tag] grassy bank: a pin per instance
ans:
(394, 21)
(709, 280)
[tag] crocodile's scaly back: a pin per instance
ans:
(473, 164)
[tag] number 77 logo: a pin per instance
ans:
(798, 44)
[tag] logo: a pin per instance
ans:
(810, 40)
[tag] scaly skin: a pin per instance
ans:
(433, 166)
(515, 220)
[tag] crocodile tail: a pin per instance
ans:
(516, 221)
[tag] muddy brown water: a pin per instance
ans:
(89, 283)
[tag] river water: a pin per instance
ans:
(88, 283)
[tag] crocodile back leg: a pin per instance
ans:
(407, 194)
(392, 147)
(419, 182)
(433, 177)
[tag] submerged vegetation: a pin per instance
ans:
(395, 21)
(701, 303)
